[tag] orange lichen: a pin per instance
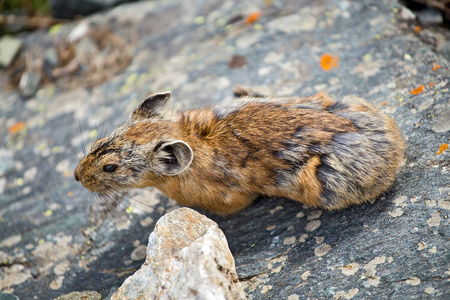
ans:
(442, 148)
(384, 103)
(435, 67)
(431, 84)
(417, 90)
(17, 127)
(417, 29)
(253, 17)
(328, 61)
(69, 194)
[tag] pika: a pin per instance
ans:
(326, 153)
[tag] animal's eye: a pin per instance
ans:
(109, 168)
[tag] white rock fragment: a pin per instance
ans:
(435, 219)
(315, 214)
(11, 241)
(187, 258)
(370, 270)
(406, 14)
(30, 174)
(350, 269)
(303, 238)
(322, 249)
(400, 201)
(289, 240)
(422, 245)
(61, 268)
(56, 284)
(346, 295)
(312, 225)
(79, 31)
(293, 23)
(9, 47)
(305, 275)
(433, 249)
(396, 212)
(413, 281)
(272, 211)
(300, 215)
(138, 253)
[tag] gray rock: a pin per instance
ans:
(187, 258)
(6, 161)
(442, 120)
(406, 14)
(51, 57)
(29, 83)
(86, 48)
(69, 9)
(430, 16)
(79, 31)
(9, 47)
(6, 296)
(445, 50)
(85, 295)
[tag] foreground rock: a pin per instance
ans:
(187, 258)
(87, 295)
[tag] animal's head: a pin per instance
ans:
(137, 154)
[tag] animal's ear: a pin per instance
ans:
(98, 142)
(152, 105)
(172, 158)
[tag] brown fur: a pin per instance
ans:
(315, 150)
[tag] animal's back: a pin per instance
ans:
(314, 150)
(358, 166)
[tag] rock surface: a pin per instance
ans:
(9, 46)
(69, 9)
(86, 295)
(396, 248)
(187, 258)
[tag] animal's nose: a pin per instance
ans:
(75, 174)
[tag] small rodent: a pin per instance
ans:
(319, 151)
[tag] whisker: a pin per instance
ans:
(124, 194)
(92, 137)
(116, 199)
(110, 203)
(74, 152)
(80, 134)
(102, 132)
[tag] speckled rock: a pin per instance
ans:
(394, 248)
(187, 258)
(85, 295)
(5, 296)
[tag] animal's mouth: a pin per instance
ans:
(98, 189)
(92, 186)
(76, 174)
